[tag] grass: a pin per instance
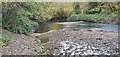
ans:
(91, 17)
(41, 46)
(4, 40)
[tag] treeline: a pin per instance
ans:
(21, 17)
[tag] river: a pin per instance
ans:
(77, 26)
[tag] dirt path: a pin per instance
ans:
(20, 45)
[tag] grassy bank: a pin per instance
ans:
(93, 17)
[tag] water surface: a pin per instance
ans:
(77, 26)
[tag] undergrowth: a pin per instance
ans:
(4, 40)
(41, 46)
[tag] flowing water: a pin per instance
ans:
(77, 26)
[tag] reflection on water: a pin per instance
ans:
(77, 25)
(49, 26)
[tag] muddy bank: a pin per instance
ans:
(83, 42)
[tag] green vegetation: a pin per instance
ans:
(22, 25)
(42, 11)
(41, 46)
(92, 17)
(16, 20)
(22, 17)
(4, 40)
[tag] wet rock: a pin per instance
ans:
(98, 38)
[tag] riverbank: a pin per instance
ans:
(64, 42)
(19, 45)
(84, 42)
(96, 18)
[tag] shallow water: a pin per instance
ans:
(77, 26)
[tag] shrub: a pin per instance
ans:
(41, 46)
(4, 40)
(18, 21)
(18, 24)
(15, 18)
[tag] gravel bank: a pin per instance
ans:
(20, 45)
(83, 42)
(64, 42)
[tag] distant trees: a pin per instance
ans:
(15, 14)
(96, 7)
(42, 11)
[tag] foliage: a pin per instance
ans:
(18, 24)
(17, 16)
(42, 11)
(17, 20)
(91, 17)
(21, 25)
(4, 40)
(68, 9)
(41, 46)
(96, 7)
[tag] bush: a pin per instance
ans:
(18, 24)
(15, 18)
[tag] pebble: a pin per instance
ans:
(94, 48)
(73, 48)
(68, 45)
(79, 46)
(96, 53)
(90, 52)
(73, 53)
